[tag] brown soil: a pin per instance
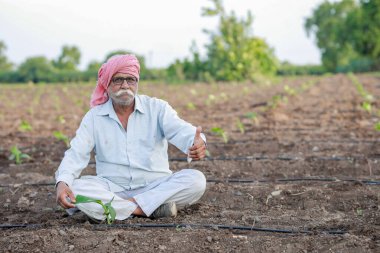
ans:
(319, 132)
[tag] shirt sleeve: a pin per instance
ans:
(78, 155)
(177, 131)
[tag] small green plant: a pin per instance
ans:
(211, 98)
(290, 91)
(275, 101)
(220, 132)
(17, 155)
(360, 88)
(190, 106)
(193, 92)
(25, 126)
(252, 116)
(61, 119)
(377, 126)
(366, 106)
(109, 211)
(223, 96)
(61, 137)
(240, 125)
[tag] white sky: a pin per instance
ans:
(162, 30)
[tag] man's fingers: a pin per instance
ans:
(197, 150)
(196, 146)
(62, 201)
(198, 132)
(71, 196)
(65, 197)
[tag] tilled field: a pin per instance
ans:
(297, 171)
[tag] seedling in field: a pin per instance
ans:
(211, 98)
(220, 132)
(366, 106)
(17, 155)
(290, 91)
(240, 125)
(61, 137)
(61, 119)
(109, 211)
(276, 99)
(252, 116)
(377, 126)
(25, 126)
(190, 106)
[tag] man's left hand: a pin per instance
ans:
(198, 150)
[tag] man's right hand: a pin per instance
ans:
(64, 192)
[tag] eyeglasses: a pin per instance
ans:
(120, 80)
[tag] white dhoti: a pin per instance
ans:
(184, 187)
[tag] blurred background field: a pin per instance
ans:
(346, 34)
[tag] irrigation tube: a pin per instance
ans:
(242, 181)
(232, 142)
(248, 181)
(282, 158)
(183, 225)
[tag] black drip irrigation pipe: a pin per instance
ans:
(185, 225)
(232, 142)
(363, 181)
(247, 181)
(282, 158)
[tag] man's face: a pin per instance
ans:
(123, 89)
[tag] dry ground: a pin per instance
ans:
(310, 129)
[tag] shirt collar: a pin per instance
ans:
(138, 104)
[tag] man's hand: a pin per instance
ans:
(198, 150)
(64, 192)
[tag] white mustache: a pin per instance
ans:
(122, 92)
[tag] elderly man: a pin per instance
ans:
(129, 134)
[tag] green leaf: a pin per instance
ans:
(25, 126)
(377, 126)
(112, 215)
(25, 156)
(83, 199)
(250, 115)
(109, 211)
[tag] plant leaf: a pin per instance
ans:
(83, 199)
(112, 214)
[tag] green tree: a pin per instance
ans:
(234, 53)
(36, 69)
(94, 66)
(68, 59)
(328, 23)
(365, 32)
(348, 34)
(5, 65)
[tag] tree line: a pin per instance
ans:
(346, 32)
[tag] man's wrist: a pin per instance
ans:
(60, 183)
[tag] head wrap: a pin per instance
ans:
(126, 64)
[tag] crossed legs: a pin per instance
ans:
(184, 187)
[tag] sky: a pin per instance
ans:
(162, 31)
